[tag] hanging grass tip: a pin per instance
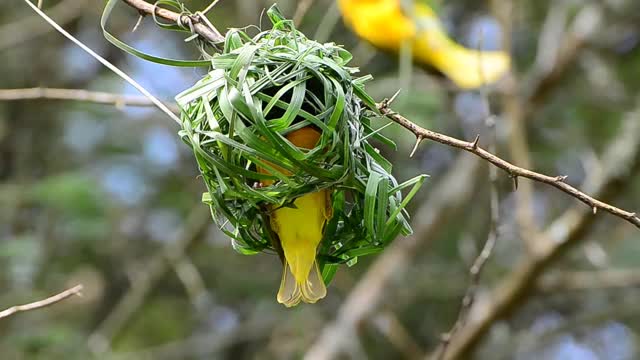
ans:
(281, 131)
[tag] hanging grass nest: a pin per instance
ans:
(237, 117)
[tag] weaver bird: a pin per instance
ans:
(387, 25)
(299, 230)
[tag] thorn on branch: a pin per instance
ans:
(383, 106)
(415, 147)
(393, 98)
(135, 27)
(474, 144)
(490, 157)
(595, 210)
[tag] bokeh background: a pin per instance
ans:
(109, 197)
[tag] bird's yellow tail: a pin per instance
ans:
(309, 290)
(299, 230)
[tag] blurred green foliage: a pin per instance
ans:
(96, 194)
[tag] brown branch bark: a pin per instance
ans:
(513, 170)
(447, 197)
(76, 290)
(517, 109)
(475, 271)
(514, 115)
(518, 145)
(200, 27)
(620, 160)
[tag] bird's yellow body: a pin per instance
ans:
(388, 26)
(300, 229)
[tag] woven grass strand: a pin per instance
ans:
(237, 116)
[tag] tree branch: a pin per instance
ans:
(515, 117)
(388, 324)
(103, 61)
(587, 23)
(31, 26)
(97, 97)
(194, 228)
(475, 271)
(200, 26)
(447, 197)
(620, 159)
(76, 290)
(513, 170)
(301, 11)
(589, 280)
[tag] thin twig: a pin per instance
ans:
(76, 290)
(301, 10)
(448, 196)
(190, 277)
(518, 144)
(552, 34)
(97, 97)
(327, 23)
(398, 335)
(476, 268)
(620, 159)
(31, 27)
(513, 170)
(526, 340)
(494, 207)
(194, 228)
(106, 63)
(209, 7)
(586, 25)
(589, 280)
(200, 27)
(516, 111)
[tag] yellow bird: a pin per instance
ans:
(299, 230)
(388, 26)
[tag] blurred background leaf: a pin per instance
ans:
(102, 195)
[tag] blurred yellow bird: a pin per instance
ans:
(299, 230)
(388, 26)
